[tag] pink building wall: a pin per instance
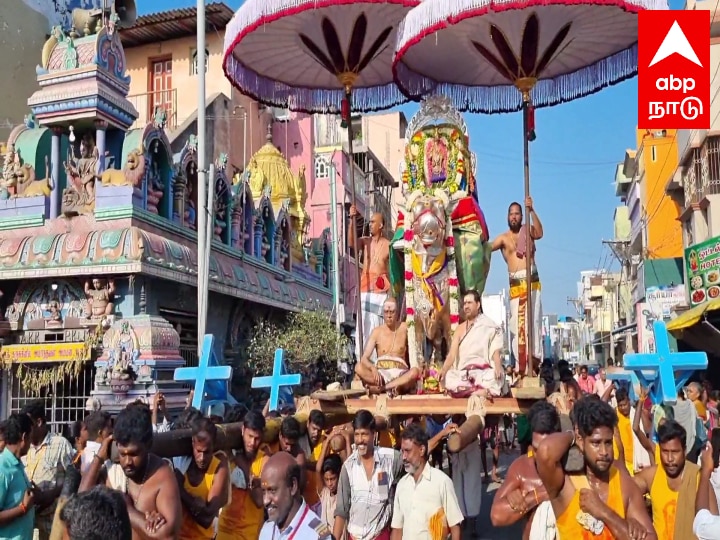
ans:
(296, 140)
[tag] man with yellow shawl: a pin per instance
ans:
(672, 485)
(425, 505)
(601, 502)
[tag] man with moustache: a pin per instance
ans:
(289, 517)
(672, 484)
(515, 250)
(523, 495)
(367, 480)
(155, 513)
(425, 506)
(602, 502)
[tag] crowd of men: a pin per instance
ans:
(593, 465)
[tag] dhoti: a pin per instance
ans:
(390, 368)
(519, 320)
(464, 382)
(474, 367)
(372, 306)
(467, 478)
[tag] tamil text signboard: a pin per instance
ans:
(702, 263)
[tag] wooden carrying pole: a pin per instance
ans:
(421, 405)
(466, 434)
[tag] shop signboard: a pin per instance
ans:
(702, 263)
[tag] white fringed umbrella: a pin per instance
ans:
(506, 55)
(314, 56)
(307, 55)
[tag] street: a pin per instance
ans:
(485, 528)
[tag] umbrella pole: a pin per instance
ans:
(351, 159)
(528, 254)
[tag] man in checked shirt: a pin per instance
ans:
(367, 481)
(45, 464)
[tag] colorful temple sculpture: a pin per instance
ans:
(98, 251)
(441, 243)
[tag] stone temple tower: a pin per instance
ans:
(24, 28)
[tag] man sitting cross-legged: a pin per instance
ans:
(602, 502)
(473, 365)
(390, 373)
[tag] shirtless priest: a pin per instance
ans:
(602, 503)
(389, 341)
(374, 280)
(474, 365)
(512, 243)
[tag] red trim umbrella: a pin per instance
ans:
(314, 55)
(507, 55)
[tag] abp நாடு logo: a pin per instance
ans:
(674, 69)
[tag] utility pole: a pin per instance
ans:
(337, 301)
(202, 212)
(623, 253)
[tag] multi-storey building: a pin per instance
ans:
(319, 144)
(695, 187)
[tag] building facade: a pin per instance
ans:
(320, 145)
(695, 187)
(161, 57)
(99, 249)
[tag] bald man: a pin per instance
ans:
(388, 344)
(288, 515)
(374, 280)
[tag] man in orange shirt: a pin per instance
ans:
(671, 484)
(243, 518)
(603, 503)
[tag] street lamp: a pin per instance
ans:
(244, 119)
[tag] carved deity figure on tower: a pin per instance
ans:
(100, 295)
(83, 170)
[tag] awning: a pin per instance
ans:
(693, 315)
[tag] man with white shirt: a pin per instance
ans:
(99, 426)
(425, 506)
(707, 521)
(288, 515)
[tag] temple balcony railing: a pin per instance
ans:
(146, 103)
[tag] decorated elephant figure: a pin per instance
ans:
(441, 241)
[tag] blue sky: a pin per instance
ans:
(572, 167)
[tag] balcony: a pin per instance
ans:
(146, 103)
(622, 182)
(710, 167)
(622, 223)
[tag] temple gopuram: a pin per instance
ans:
(98, 251)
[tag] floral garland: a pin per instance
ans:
(33, 380)
(409, 288)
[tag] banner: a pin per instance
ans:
(702, 263)
(51, 352)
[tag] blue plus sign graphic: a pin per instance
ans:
(278, 381)
(672, 369)
(211, 379)
(630, 380)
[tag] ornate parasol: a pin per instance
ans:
(507, 55)
(314, 55)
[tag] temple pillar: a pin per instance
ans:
(55, 161)
(100, 131)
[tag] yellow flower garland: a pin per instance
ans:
(33, 380)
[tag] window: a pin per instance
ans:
(653, 154)
(322, 168)
(193, 62)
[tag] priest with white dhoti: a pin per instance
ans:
(474, 363)
(374, 277)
